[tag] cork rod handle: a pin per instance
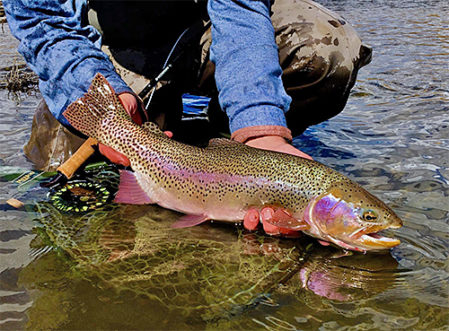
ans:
(69, 167)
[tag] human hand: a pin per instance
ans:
(131, 106)
(271, 217)
(253, 217)
(277, 144)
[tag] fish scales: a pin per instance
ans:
(217, 174)
(225, 174)
(225, 179)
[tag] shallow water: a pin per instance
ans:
(124, 268)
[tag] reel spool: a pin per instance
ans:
(78, 196)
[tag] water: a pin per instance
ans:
(124, 268)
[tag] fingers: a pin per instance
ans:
(290, 149)
(113, 155)
(266, 215)
(289, 233)
(277, 144)
(130, 104)
(169, 134)
(253, 217)
(251, 220)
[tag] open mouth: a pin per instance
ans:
(377, 240)
(362, 241)
(372, 237)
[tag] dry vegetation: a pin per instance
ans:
(2, 13)
(17, 77)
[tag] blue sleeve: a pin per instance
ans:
(247, 69)
(60, 48)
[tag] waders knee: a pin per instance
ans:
(320, 54)
(50, 143)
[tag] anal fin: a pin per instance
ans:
(187, 221)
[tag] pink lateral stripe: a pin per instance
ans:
(130, 191)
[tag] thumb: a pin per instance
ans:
(131, 106)
(113, 155)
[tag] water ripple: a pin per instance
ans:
(392, 137)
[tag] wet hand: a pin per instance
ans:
(253, 217)
(267, 216)
(277, 144)
(131, 106)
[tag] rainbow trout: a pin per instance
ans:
(226, 179)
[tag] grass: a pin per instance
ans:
(18, 78)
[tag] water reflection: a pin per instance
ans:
(347, 278)
(206, 275)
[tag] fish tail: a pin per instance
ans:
(86, 113)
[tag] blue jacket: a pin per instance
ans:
(65, 54)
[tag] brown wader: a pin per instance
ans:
(319, 52)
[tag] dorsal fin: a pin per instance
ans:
(153, 128)
(223, 142)
(187, 221)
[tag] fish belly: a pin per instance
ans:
(195, 203)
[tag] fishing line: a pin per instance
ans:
(197, 29)
(165, 68)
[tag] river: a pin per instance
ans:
(125, 268)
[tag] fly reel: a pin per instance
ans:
(79, 196)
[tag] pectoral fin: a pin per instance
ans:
(129, 190)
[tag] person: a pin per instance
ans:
(273, 67)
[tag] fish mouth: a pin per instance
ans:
(372, 237)
(376, 240)
(364, 240)
(370, 240)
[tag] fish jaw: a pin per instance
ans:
(339, 222)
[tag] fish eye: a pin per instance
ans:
(369, 215)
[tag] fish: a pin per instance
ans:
(226, 179)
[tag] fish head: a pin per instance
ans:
(350, 217)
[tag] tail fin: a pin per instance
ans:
(86, 113)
